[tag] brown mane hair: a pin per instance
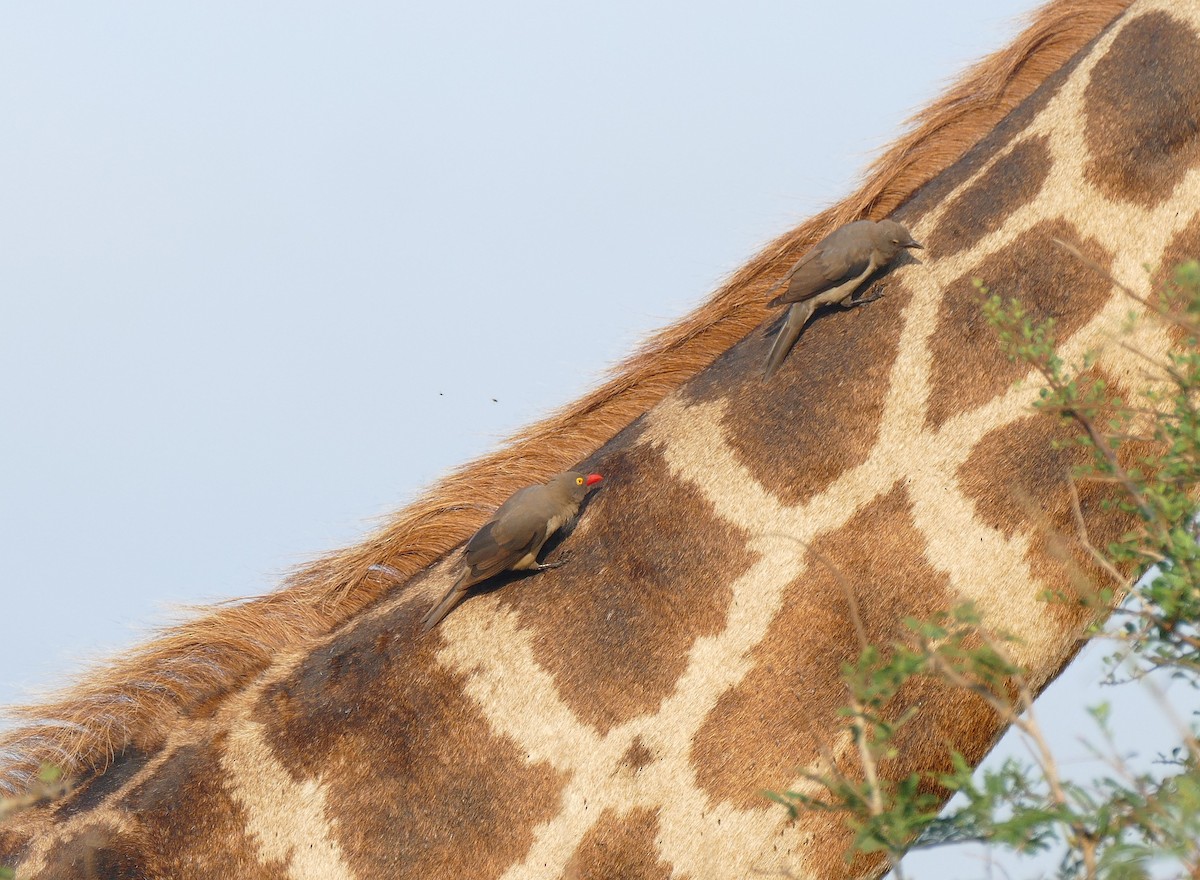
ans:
(135, 700)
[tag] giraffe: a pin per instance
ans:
(619, 715)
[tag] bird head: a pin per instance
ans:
(894, 237)
(574, 484)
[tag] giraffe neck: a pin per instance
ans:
(618, 715)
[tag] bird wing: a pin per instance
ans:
(799, 267)
(505, 540)
(820, 274)
(836, 259)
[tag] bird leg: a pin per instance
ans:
(544, 566)
(851, 301)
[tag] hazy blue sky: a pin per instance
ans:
(267, 270)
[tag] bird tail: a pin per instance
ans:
(797, 316)
(453, 596)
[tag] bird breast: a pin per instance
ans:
(528, 561)
(561, 518)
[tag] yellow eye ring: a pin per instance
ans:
(579, 481)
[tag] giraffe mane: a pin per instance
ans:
(134, 700)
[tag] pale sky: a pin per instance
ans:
(269, 270)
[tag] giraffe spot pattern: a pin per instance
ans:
(439, 786)
(985, 205)
(939, 722)
(159, 835)
(638, 756)
(1184, 246)
(1143, 110)
(761, 730)
(96, 853)
(1013, 126)
(88, 795)
(612, 609)
(836, 375)
(190, 783)
(620, 846)
(402, 673)
(969, 366)
(1035, 497)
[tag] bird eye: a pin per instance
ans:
(579, 481)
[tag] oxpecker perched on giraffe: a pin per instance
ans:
(513, 537)
(626, 721)
(831, 273)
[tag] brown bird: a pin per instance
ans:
(832, 272)
(512, 538)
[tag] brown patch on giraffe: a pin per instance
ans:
(189, 784)
(1015, 474)
(824, 844)
(97, 852)
(1008, 128)
(637, 755)
(785, 710)
(439, 785)
(993, 102)
(648, 576)
(837, 374)
(969, 367)
(945, 719)
(984, 206)
(1184, 246)
(620, 846)
(1142, 108)
(1033, 495)
(16, 831)
(180, 822)
(91, 793)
